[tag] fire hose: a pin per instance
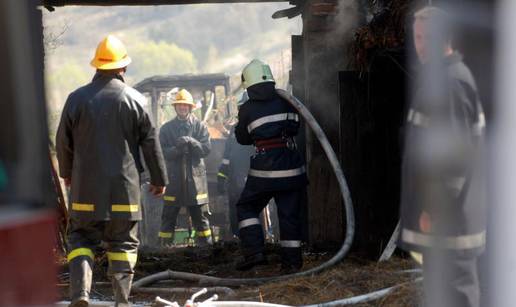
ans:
(348, 208)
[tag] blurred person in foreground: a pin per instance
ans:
(103, 131)
(443, 193)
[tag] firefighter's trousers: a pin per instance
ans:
(199, 220)
(288, 204)
(121, 240)
(450, 280)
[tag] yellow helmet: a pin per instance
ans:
(256, 72)
(183, 96)
(110, 54)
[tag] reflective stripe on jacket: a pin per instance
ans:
(266, 116)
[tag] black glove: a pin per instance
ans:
(182, 141)
(195, 145)
(221, 184)
(193, 142)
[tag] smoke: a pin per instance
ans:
(328, 54)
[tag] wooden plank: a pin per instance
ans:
(57, 3)
(391, 246)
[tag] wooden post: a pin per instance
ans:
(325, 40)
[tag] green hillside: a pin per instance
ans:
(164, 40)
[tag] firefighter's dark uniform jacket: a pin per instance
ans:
(446, 181)
(267, 116)
(102, 129)
(195, 187)
(460, 188)
(102, 134)
(188, 184)
(275, 172)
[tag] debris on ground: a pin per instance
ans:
(354, 276)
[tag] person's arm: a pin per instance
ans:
(64, 143)
(170, 151)
(242, 135)
(201, 144)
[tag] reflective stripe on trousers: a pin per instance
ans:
(198, 197)
(290, 243)
(203, 233)
(82, 251)
(477, 240)
(162, 234)
(277, 174)
(131, 258)
(271, 119)
(248, 222)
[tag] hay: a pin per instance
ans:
(385, 31)
(354, 276)
(348, 279)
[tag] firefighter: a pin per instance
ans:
(233, 171)
(185, 142)
(232, 176)
(443, 193)
(277, 169)
(103, 131)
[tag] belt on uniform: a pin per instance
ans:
(262, 145)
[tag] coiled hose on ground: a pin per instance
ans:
(348, 207)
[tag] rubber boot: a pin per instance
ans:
(167, 242)
(121, 288)
(203, 241)
(251, 261)
(291, 260)
(80, 281)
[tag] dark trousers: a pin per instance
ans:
(199, 217)
(121, 239)
(288, 204)
(450, 280)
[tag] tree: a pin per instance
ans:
(152, 58)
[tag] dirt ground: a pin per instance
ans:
(353, 276)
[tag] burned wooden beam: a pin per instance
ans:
(57, 3)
